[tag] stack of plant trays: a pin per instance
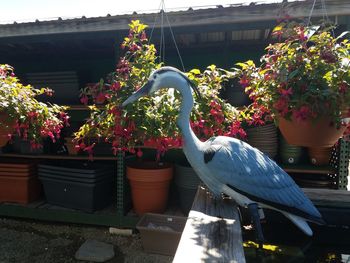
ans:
(77, 185)
(18, 182)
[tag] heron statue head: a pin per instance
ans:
(165, 77)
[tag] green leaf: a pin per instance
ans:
(343, 34)
(195, 71)
(293, 74)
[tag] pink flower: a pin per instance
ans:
(343, 87)
(286, 92)
(281, 105)
(143, 36)
(101, 98)
(84, 100)
(32, 115)
(139, 153)
(89, 149)
(301, 34)
(49, 92)
(302, 113)
(115, 86)
(134, 47)
(236, 130)
(244, 81)
(213, 112)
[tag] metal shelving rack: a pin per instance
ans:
(117, 214)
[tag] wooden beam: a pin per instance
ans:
(212, 232)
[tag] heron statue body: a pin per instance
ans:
(231, 166)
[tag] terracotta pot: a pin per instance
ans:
(149, 183)
(320, 155)
(310, 133)
(71, 146)
(6, 128)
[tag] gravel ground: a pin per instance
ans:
(32, 241)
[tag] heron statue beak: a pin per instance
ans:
(143, 91)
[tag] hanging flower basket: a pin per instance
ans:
(310, 132)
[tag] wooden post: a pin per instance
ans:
(212, 232)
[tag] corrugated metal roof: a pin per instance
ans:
(178, 18)
(149, 11)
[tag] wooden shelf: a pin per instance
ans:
(82, 107)
(55, 157)
(309, 169)
(40, 210)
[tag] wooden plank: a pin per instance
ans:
(212, 232)
(328, 197)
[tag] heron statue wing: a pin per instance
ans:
(248, 171)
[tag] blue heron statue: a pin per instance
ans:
(232, 167)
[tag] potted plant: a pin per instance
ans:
(149, 122)
(23, 115)
(304, 81)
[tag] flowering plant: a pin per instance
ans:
(93, 92)
(27, 117)
(306, 74)
(151, 121)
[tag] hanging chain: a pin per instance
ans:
(162, 35)
(177, 49)
(311, 11)
(324, 12)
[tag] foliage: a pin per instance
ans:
(306, 74)
(33, 120)
(151, 121)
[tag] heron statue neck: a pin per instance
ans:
(191, 144)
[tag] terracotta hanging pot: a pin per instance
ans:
(6, 128)
(310, 133)
(149, 183)
(320, 155)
